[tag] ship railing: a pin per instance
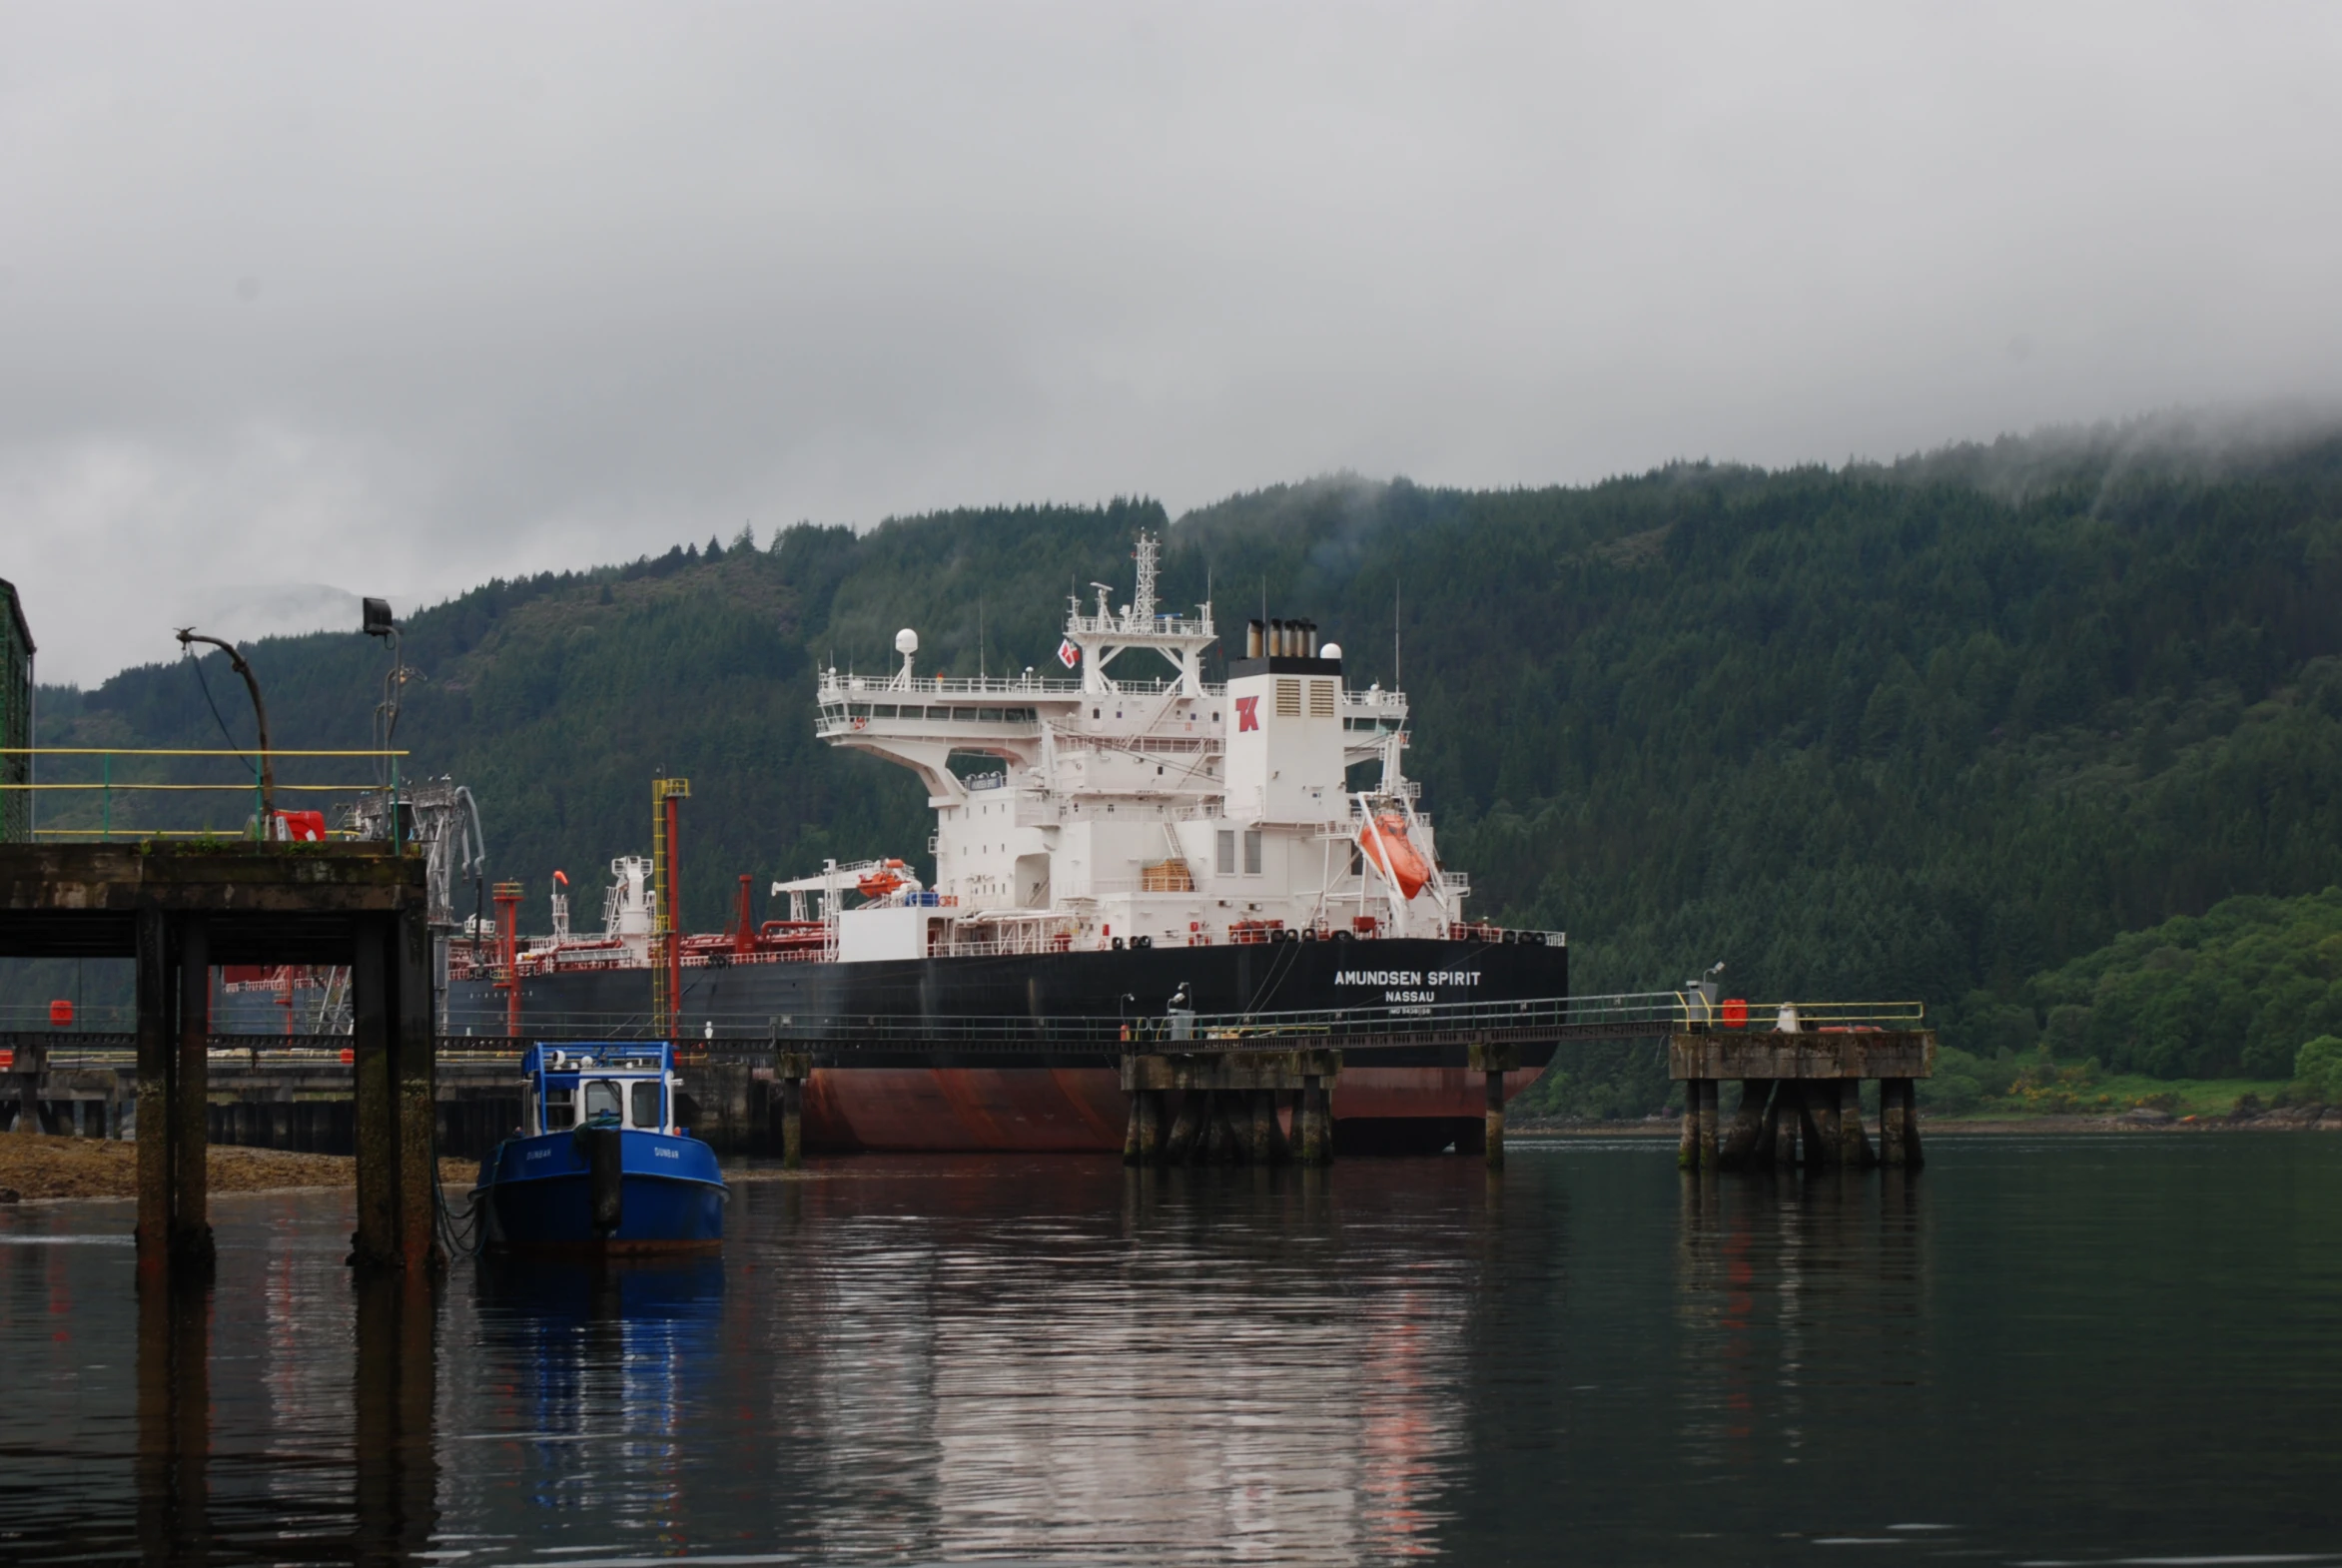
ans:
(1117, 626)
(839, 688)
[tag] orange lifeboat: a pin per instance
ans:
(879, 882)
(1384, 841)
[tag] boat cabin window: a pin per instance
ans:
(646, 1106)
(601, 1099)
(560, 1106)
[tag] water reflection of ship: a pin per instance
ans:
(610, 1356)
(997, 1371)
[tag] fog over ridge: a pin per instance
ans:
(398, 303)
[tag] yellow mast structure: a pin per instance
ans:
(666, 956)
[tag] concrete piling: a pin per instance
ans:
(1854, 1145)
(1493, 1062)
(792, 1068)
(1801, 1096)
(1227, 1107)
(1748, 1124)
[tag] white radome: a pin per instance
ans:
(1329, 650)
(906, 642)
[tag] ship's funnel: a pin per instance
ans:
(1254, 633)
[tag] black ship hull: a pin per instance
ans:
(905, 1058)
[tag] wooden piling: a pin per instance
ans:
(191, 1227)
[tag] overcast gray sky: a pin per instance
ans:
(392, 299)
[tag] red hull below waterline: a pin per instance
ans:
(963, 1110)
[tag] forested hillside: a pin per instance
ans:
(1927, 730)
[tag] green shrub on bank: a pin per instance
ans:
(2317, 1072)
(2230, 993)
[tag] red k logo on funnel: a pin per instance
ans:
(1247, 714)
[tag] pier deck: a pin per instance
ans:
(177, 910)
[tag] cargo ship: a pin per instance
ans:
(1133, 839)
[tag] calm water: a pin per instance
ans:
(2077, 1351)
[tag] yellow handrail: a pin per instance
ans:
(177, 751)
(167, 833)
(106, 786)
(326, 789)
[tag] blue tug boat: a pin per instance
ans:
(599, 1168)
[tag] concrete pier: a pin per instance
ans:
(1801, 1097)
(1228, 1105)
(179, 910)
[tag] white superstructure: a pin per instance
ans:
(1136, 804)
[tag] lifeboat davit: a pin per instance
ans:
(879, 882)
(1384, 842)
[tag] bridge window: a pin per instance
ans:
(601, 1099)
(646, 1106)
(988, 715)
(560, 1106)
(1252, 853)
(1225, 858)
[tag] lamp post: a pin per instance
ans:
(260, 709)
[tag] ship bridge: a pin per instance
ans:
(1139, 803)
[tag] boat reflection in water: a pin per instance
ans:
(594, 1370)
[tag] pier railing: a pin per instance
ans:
(78, 786)
(1645, 1015)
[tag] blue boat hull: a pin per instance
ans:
(537, 1195)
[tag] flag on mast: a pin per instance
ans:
(1067, 654)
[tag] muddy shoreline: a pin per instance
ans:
(37, 1165)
